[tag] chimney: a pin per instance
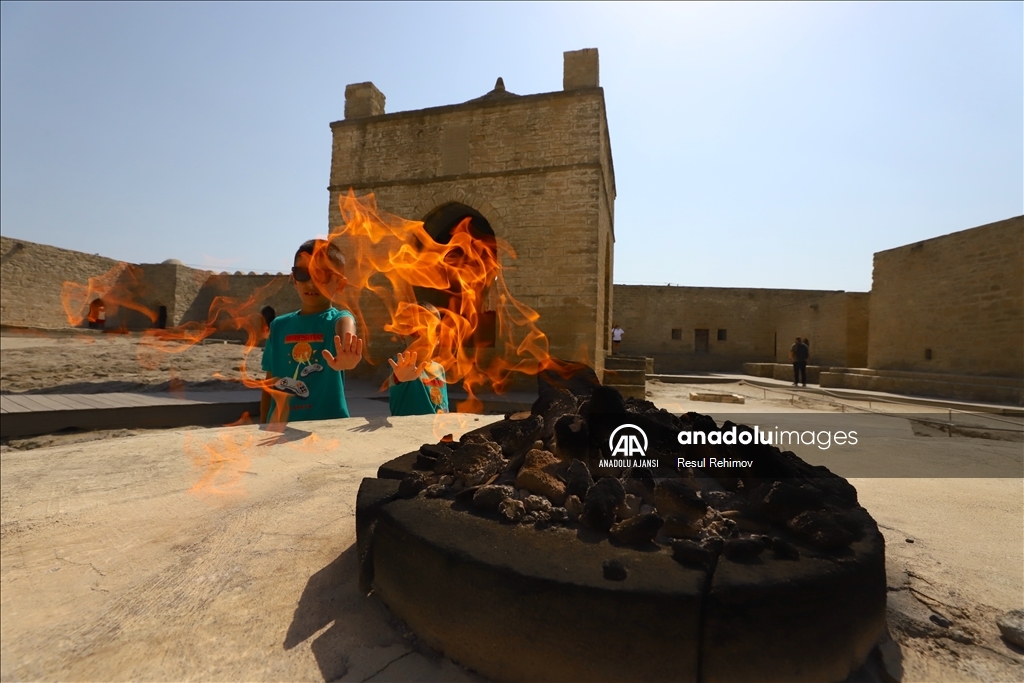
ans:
(580, 69)
(363, 99)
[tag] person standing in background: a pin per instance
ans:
(617, 333)
(798, 354)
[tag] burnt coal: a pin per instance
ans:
(637, 530)
(820, 528)
(691, 553)
(542, 467)
(602, 499)
(742, 549)
(429, 454)
(578, 480)
(517, 432)
(572, 438)
(476, 462)
(488, 498)
(674, 498)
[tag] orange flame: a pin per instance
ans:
(220, 462)
(466, 272)
(123, 286)
(472, 325)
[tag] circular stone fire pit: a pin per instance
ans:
(770, 573)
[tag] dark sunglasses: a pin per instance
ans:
(303, 275)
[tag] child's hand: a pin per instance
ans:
(406, 369)
(347, 354)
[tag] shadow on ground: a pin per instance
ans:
(355, 623)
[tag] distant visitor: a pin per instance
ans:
(617, 333)
(798, 355)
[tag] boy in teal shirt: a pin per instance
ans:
(417, 388)
(309, 380)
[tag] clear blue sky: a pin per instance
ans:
(755, 145)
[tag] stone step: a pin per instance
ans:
(629, 363)
(957, 390)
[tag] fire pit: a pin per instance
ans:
(587, 540)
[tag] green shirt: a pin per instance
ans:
(294, 358)
(427, 395)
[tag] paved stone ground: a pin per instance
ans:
(227, 554)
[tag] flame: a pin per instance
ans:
(221, 462)
(314, 443)
(390, 257)
(123, 286)
(452, 423)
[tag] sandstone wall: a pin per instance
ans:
(758, 325)
(835, 323)
(537, 167)
(32, 276)
(959, 298)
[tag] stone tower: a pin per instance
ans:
(536, 170)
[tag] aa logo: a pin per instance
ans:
(626, 441)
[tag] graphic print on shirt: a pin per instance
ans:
(302, 354)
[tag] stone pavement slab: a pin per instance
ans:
(220, 554)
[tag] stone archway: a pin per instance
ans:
(439, 223)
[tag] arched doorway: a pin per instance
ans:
(439, 224)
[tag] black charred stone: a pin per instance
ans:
(675, 498)
(640, 406)
(640, 483)
(516, 436)
(691, 553)
(606, 401)
(413, 483)
(602, 499)
(820, 528)
(572, 437)
(784, 501)
(784, 549)
(488, 498)
(475, 463)
(576, 378)
(614, 570)
(429, 454)
(713, 544)
(742, 549)
(637, 530)
(578, 480)
(551, 405)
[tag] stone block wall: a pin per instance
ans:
(951, 304)
(32, 276)
(758, 325)
(538, 168)
(835, 323)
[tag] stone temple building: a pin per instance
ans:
(534, 170)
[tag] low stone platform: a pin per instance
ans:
(518, 603)
(1003, 390)
(33, 414)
